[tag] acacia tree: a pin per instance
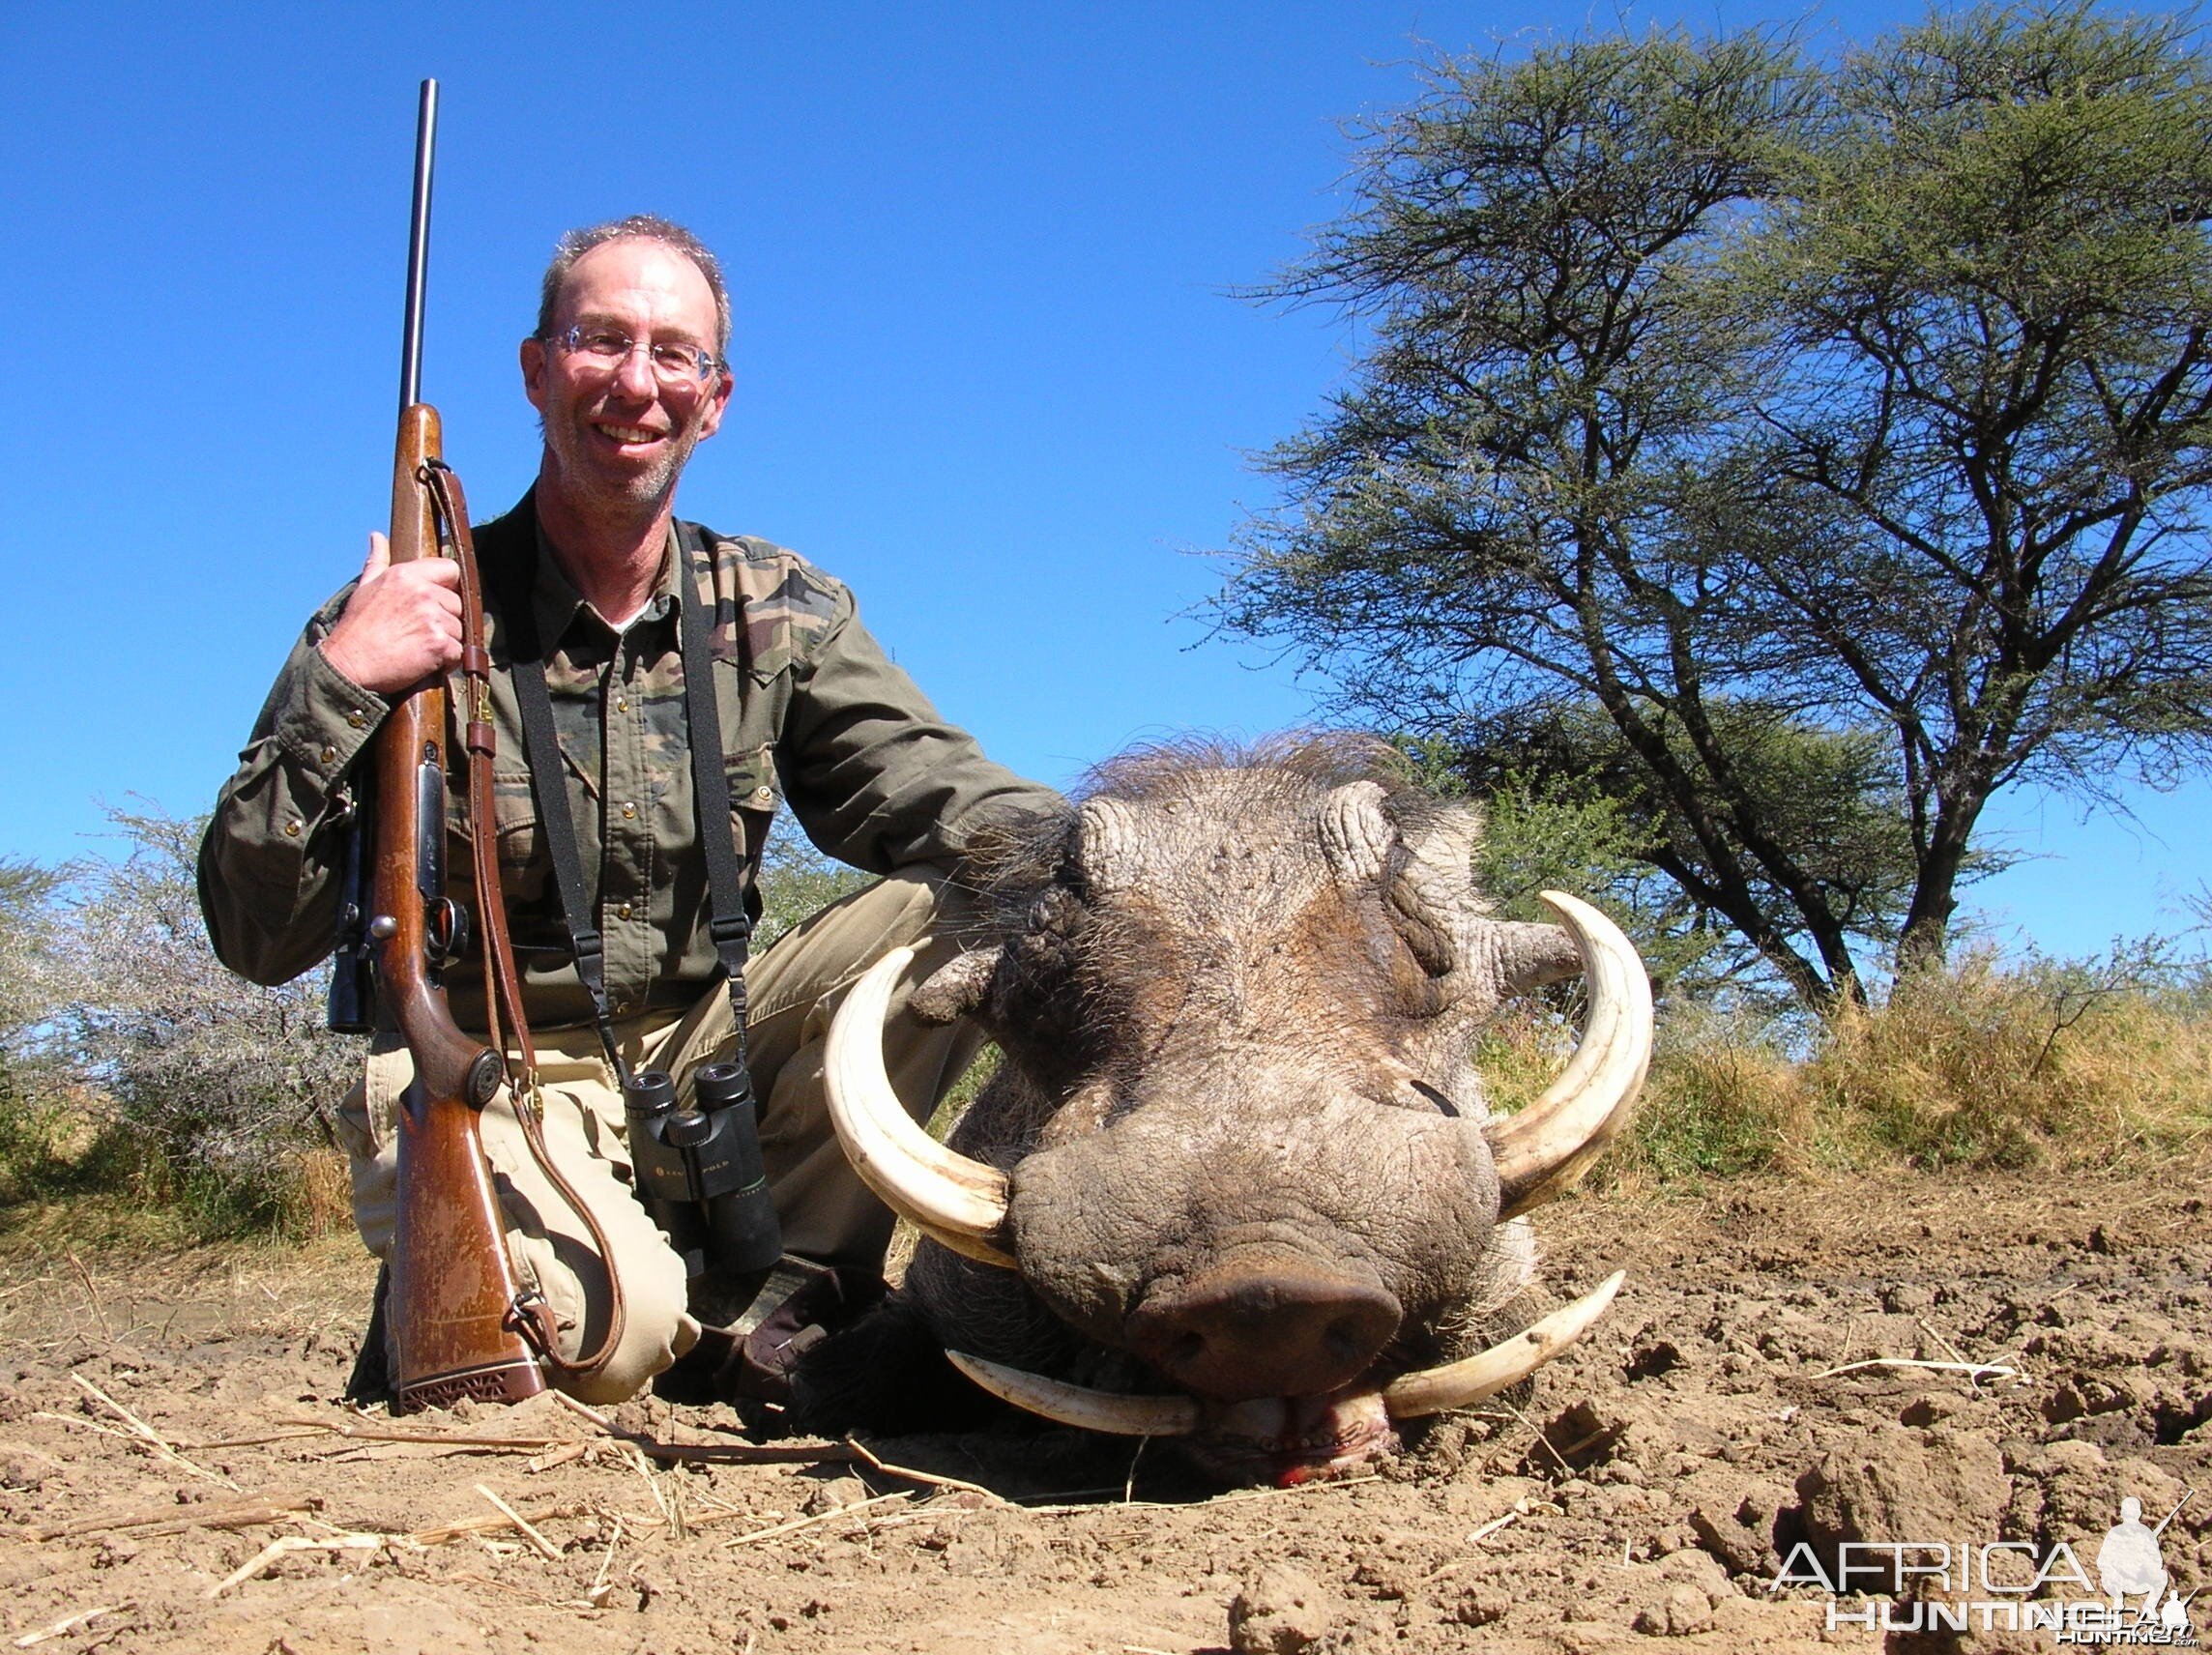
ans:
(217, 1079)
(1826, 794)
(26, 923)
(1715, 398)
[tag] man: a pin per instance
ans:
(625, 371)
(2128, 1560)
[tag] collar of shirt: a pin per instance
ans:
(557, 603)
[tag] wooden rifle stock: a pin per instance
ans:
(453, 1309)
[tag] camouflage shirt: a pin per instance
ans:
(813, 714)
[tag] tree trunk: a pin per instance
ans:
(1927, 934)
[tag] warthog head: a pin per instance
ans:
(1235, 1179)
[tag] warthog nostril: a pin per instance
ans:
(1347, 1338)
(1265, 1329)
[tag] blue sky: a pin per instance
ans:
(989, 369)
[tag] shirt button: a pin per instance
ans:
(628, 810)
(356, 720)
(623, 910)
(765, 793)
(622, 707)
(291, 829)
(330, 755)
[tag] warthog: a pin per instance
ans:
(1236, 1180)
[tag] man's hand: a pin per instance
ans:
(402, 623)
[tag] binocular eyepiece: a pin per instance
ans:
(699, 1170)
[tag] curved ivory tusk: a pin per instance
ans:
(1462, 1385)
(1074, 1405)
(958, 1202)
(1542, 1150)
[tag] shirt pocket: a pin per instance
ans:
(522, 843)
(525, 858)
(756, 795)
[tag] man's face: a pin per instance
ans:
(620, 437)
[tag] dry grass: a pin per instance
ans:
(315, 1198)
(1986, 1065)
(2040, 1064)
(72, 1166)
(1722, 1101)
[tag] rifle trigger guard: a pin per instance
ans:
(444, 932)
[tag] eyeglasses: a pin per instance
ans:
(685, 367)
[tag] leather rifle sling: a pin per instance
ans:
(503, 979)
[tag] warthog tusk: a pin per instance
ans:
(1542, 1150)
(1431, 1390)
(1086, 1409)
(1462, 1385)
(960, 1203)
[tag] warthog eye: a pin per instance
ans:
(1424, 939)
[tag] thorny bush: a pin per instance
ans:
(132, 1062)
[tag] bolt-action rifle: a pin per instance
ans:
(458, 1322)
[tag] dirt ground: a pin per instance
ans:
(176, 1474)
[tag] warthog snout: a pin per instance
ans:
(1264, 1326)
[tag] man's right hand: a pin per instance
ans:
(402, 623)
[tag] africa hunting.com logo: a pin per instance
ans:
(1958, 1586)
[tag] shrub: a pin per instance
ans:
(1521, 1051)
(1986, 1064)
(222, 1093)
(795, 880)
(1723, 1099)
(133, 1064)
(2054, 1062)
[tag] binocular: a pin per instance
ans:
(699, 1170)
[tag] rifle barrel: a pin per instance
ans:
(418, 247)
(2187, 1495)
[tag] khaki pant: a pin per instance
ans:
(793, 989)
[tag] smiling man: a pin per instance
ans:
(590, 575)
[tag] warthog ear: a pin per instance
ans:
(1424, 865)
(1433, 888)
(1356, 834)
(955, 989)
(1104, 847)
(1440, 840)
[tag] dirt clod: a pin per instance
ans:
(1682, 1612)
(1280, 1610)
(1896, 1484)
(1479, 1606)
